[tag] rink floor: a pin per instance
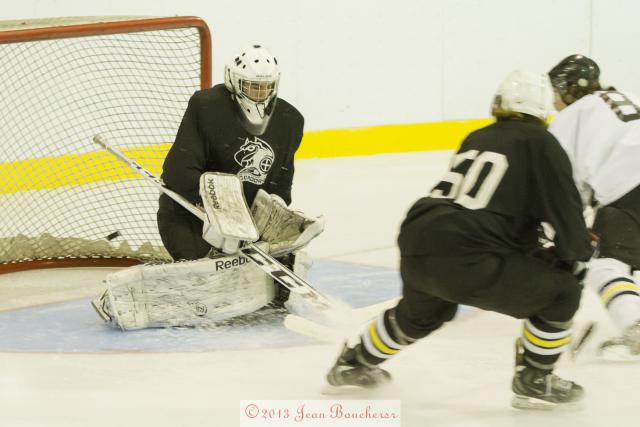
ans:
(59, 366)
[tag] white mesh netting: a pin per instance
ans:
(61, 195)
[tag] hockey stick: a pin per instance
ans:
(311, 329)
(266, 262)
(585, 334)
(325, 333)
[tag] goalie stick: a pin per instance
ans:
(320, 332)
(263, 260)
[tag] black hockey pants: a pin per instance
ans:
(181, 231)
(518, 285)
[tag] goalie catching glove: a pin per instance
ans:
(228, 222)
(286, 230)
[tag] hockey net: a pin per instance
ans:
(63, 200)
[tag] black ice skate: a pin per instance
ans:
(351, 370)
(624, 348)
(539, 389)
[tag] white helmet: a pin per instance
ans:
(253, 76)
(524, 92)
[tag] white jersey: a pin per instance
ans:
(601, 134)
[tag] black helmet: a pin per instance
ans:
(574, 77)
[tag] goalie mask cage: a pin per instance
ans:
(63, 200)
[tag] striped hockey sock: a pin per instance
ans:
(621, 297)
(383, 338)
(544, 342)
(614, 283)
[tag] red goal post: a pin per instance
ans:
(63, 201)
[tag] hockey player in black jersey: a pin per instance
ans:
(235, 146)
(474, 241)
(242, 128)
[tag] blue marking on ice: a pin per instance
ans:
(73, 326)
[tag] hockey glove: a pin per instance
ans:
(285, 229)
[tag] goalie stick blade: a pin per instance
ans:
(311, 329)
(321, 332)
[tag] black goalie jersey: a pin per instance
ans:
(503, 182)
(211, 138)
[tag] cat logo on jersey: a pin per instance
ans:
(256, 158)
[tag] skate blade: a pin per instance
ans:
(526, 402)
(532, 403)
(335, 390)
(348, 390)
(618, 353)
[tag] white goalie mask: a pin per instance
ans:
(524, 92)
(252, 77)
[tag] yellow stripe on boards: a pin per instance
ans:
(614, 289)
(100, 166)
(378, 342)
(545, 343)
(77, 169)
(387, 139)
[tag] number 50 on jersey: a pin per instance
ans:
(473, 178)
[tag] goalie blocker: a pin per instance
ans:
(227, 222)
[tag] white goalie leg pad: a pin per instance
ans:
(192, 293)
(228, 220)
(286, 230)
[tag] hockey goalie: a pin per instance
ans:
(225, 284)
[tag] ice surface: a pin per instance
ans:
(59, 367)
